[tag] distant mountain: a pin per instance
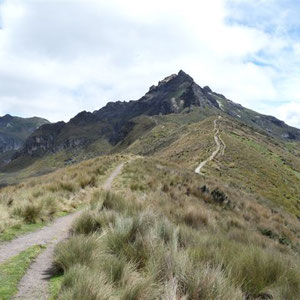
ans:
(176, 94)
(13, 133)
(174, 122)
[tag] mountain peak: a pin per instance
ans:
(185, 76)
(7, 117)
(173, 80)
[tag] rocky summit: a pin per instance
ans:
(176, 94)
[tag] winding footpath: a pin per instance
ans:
(34, 284)
(221, 146)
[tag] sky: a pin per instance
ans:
(58, 58)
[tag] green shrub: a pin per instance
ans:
(86, 180)
(113, 201)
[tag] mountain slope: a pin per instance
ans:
(174, 122)
(176, 94)
(164, 231)
(252, 161)
(13, 133)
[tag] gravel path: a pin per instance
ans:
(40, 237)
(34, 285)
(221, 146)
(113, 175)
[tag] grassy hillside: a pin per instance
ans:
(25, 206)
(164, 232)
(162, 235)
(252, 161)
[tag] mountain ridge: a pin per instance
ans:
(176, 94)
(13, 133)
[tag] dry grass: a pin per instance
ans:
(41, 199)
(166, 242)
(166, 233)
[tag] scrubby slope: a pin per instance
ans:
(119, 122)
(170, 234)
(252, 161)
(38, 200)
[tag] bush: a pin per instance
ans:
(113, 201)
(86, 180)
(50, 205)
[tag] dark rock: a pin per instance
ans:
(275, 121)
(291, 136)
(13, 133)
(264, 296)
(204, 189)
(83, 118)
(219, 197)
(207, 90)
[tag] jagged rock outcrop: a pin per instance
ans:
(13, 133)
(175, 94)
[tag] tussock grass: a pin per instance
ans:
(39, 200)
(140, 251)
(77, 250)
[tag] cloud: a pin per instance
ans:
(58, 58)
(289, 112)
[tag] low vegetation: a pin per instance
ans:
(167, 234)
(30, 204)
(252, 161)
(13, 270)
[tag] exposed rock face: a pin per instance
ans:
(13, 132)
(174, 94)
(8, 143)
(43, 141)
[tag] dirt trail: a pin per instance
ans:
(40, 237)
(34, 284)
(113, 175)
(221, 146)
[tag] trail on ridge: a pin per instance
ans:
(221, 146)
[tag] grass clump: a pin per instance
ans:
(77, 250)
(39, 200)
(172, 248)
(83, 283)
(30, 212)
(134, 257)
